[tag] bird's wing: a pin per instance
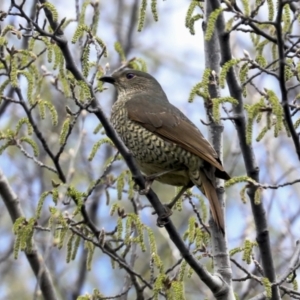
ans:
(171, 124)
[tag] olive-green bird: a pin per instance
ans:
(167, 146)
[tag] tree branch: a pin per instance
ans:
(252, 169)
(219, 243)
(284, 92)
(34, 258)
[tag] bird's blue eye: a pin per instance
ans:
(130, 75)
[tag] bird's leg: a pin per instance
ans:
(177, 197)
(161, 220)
(149, 180)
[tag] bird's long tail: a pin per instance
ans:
(208, 189)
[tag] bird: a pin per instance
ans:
(166, 145)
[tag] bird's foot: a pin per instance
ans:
(162, 220)
(145, 191)
(148, 183)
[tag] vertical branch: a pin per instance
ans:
(219, 243)
(281, 73)
(133, 19)
(259, 213)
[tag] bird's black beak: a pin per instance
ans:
(108, 79)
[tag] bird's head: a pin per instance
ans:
(129, 82)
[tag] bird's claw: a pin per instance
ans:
(146, 190)
(162, 220)
(148, 183)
